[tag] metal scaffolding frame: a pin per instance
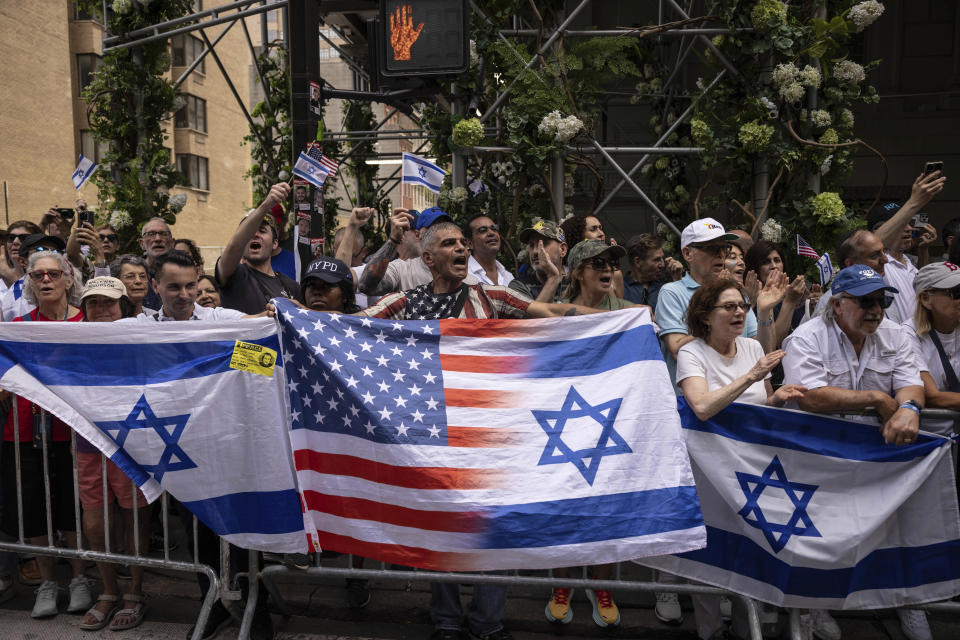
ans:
(679, 25)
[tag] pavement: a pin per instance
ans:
(398, 611)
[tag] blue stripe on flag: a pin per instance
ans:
(425, 163)
(243, 512)
(806, 432)
(593, 355)
(420, 180)
(579, 520)
(891, 568)
(75, 364)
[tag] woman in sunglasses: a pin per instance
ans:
(52, 286)
(720, 366)
(593, 270)
(936, 334)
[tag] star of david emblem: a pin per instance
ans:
(169, 428)
(774, 477)
(587, 460)
(422, 172)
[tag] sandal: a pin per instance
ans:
(102, 619)
(136, 613)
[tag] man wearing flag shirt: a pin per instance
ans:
(402, 274)
(244, 272)
(852, 358)
(547, 247)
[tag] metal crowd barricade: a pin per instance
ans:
(218, 583)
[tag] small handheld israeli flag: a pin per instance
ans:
(84, 170)
(311, 170)
(826, 269)
(417, 170)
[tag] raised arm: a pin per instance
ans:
(233, 252)
(924, 188)
(372, 281)
(358, 218)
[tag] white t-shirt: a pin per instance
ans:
(900, 276)
(199, 313)
(700, 360)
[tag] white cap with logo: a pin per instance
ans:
(704, 230)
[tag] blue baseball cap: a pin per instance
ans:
(859, 280)
(429, 217)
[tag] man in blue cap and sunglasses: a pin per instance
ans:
(852, 357)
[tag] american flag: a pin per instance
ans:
(316, 152)
(804, 249)
(491, 444)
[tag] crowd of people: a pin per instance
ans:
(733, 326)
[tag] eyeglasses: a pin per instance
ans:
(872, 301)
(953, 293)
(600, 264)
(731, 307)
(107, 237)
(155, 234)
(713, 249)
(134, 277)
(13, 237)
(38, 276)
(487, 227)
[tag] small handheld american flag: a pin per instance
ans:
(317, 154)
(804, 249)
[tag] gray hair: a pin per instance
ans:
(117, 265)
(73, 293)
(428, 235)
(829, 314)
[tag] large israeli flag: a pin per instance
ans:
(417, 170)
(810, 511)
(195, 408)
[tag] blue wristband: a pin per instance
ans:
(913, 407)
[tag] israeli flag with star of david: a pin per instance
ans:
(470, 445)
(811, 511)
(175, 407)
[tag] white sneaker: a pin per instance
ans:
(824, 626)
(80, 599)
(46, 602)
(913, 623)
(668, 608)
(806, 627)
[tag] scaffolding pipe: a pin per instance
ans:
(580, 33)
(199, 59)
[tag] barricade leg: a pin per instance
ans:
(253, 592)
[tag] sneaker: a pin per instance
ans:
(558, 607)
(7, 592)
(823, 625)
(29, 573)
(726, 608)
(46, 603)
(806, 626)
(605, 610)
(80, 599)
(448, 634)
(218, 619)
(499, 634)
(358, 593)
(156, 542)
(668, 608)
(913, 623)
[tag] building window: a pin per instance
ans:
(92, 149)
(195, 170)
(87, 65)
(193, 115)
(186, 49)
(324, 54)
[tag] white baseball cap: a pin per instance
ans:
(704, 230)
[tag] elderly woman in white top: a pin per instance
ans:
(936, 335)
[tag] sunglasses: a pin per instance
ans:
(713, 249)
(38, 276)
(872, 301)
(953, 293)
(600, 264)
(107, 237)
(731, 307)
(487, 227)
(13, 237)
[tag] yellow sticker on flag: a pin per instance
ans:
(254, 358)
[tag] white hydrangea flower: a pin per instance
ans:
(792, 92)
(120, 220)
(772, 112)
(865, 13)
(458, 195)
(122, 7)
(771, 230)
(535, 189)
(810, 77)
(849, 72)
(177, 202)
(700, 84)
(821, 118)
(785, 73)
(846, 118)
(562, 129)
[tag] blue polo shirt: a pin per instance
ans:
(671, 308)
(636, 292)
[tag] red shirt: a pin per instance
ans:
(61, 432)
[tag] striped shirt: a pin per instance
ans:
(483, 301)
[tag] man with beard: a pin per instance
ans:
(246, 277)
(547, 247)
